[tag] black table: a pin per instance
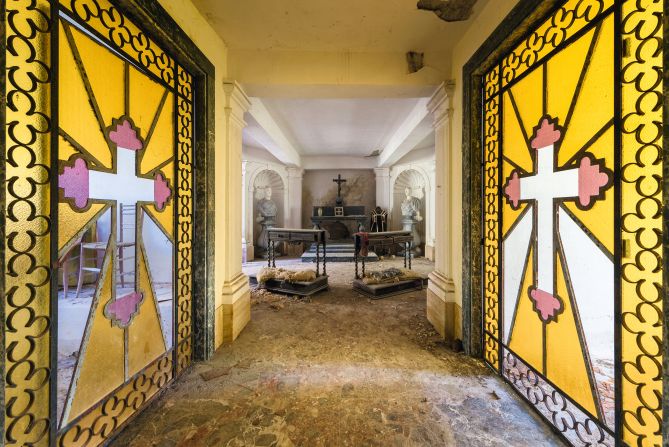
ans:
(382, 239)
(295, 236)
(385, 239)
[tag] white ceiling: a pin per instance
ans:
(329, 25)
(348, 119)
(336, 126)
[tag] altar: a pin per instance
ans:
(327, 214)
(341, 222)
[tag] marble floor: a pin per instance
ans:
(338, 370)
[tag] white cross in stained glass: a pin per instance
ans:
(81, 183)
(546, 187)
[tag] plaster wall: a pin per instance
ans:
(423, 155)
(266, 73)
(319, 189)
(259, 154)
(488, 18)
(228, 161)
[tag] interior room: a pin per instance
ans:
(349, 223)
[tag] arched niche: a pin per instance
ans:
(417, 182)
(263, 180)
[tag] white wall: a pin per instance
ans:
(256, 161)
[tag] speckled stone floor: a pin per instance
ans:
(338, 370)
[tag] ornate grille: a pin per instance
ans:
(38, 144)
(620, 137)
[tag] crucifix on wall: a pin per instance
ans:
(339, 181)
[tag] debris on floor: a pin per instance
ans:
(338, 372)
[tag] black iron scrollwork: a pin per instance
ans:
(106, 19)
(100, 422)
(27, 223)
(491, 221)
(184, 220)
(574, 424)
(564, 23)
(641, 221)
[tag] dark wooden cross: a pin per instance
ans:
(339, 181)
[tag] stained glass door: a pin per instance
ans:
(123, 217)
(99, 230)
(572, 221)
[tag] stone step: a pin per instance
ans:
(337, 253)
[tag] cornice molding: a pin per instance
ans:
(441, 103)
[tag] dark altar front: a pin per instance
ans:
(340, 222)
(334, 220)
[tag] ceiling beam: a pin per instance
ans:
(270, 135)
(319, 162)
(411, 132)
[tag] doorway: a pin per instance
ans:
(569, 241)
(103, 157)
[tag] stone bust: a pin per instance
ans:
(266, 206)
(411, 206)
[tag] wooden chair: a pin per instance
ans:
(126, 223)
(64, 262)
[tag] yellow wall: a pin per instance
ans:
(263, 72)
(486, 21)
(213, 47)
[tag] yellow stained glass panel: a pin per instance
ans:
(160, 147)
(27, 255)
(594, 105)
(528, 98)
(563, 72)
(565, 358)
(145, 335)
(100, 367)
(572, 17)
(515, 143)
(527, 333)
(98, 15)
(76, 116)
(105, 72)
(642, 222)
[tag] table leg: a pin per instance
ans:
(355, 259)
(409, 255)
(273, 254)
(406, 250)
(318, 258)
(325, 259)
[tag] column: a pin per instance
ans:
(294, 217)
(430, 214)
(245, 257)
(383, 191)
(249, 218)
(442, 310)
(233, 300)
